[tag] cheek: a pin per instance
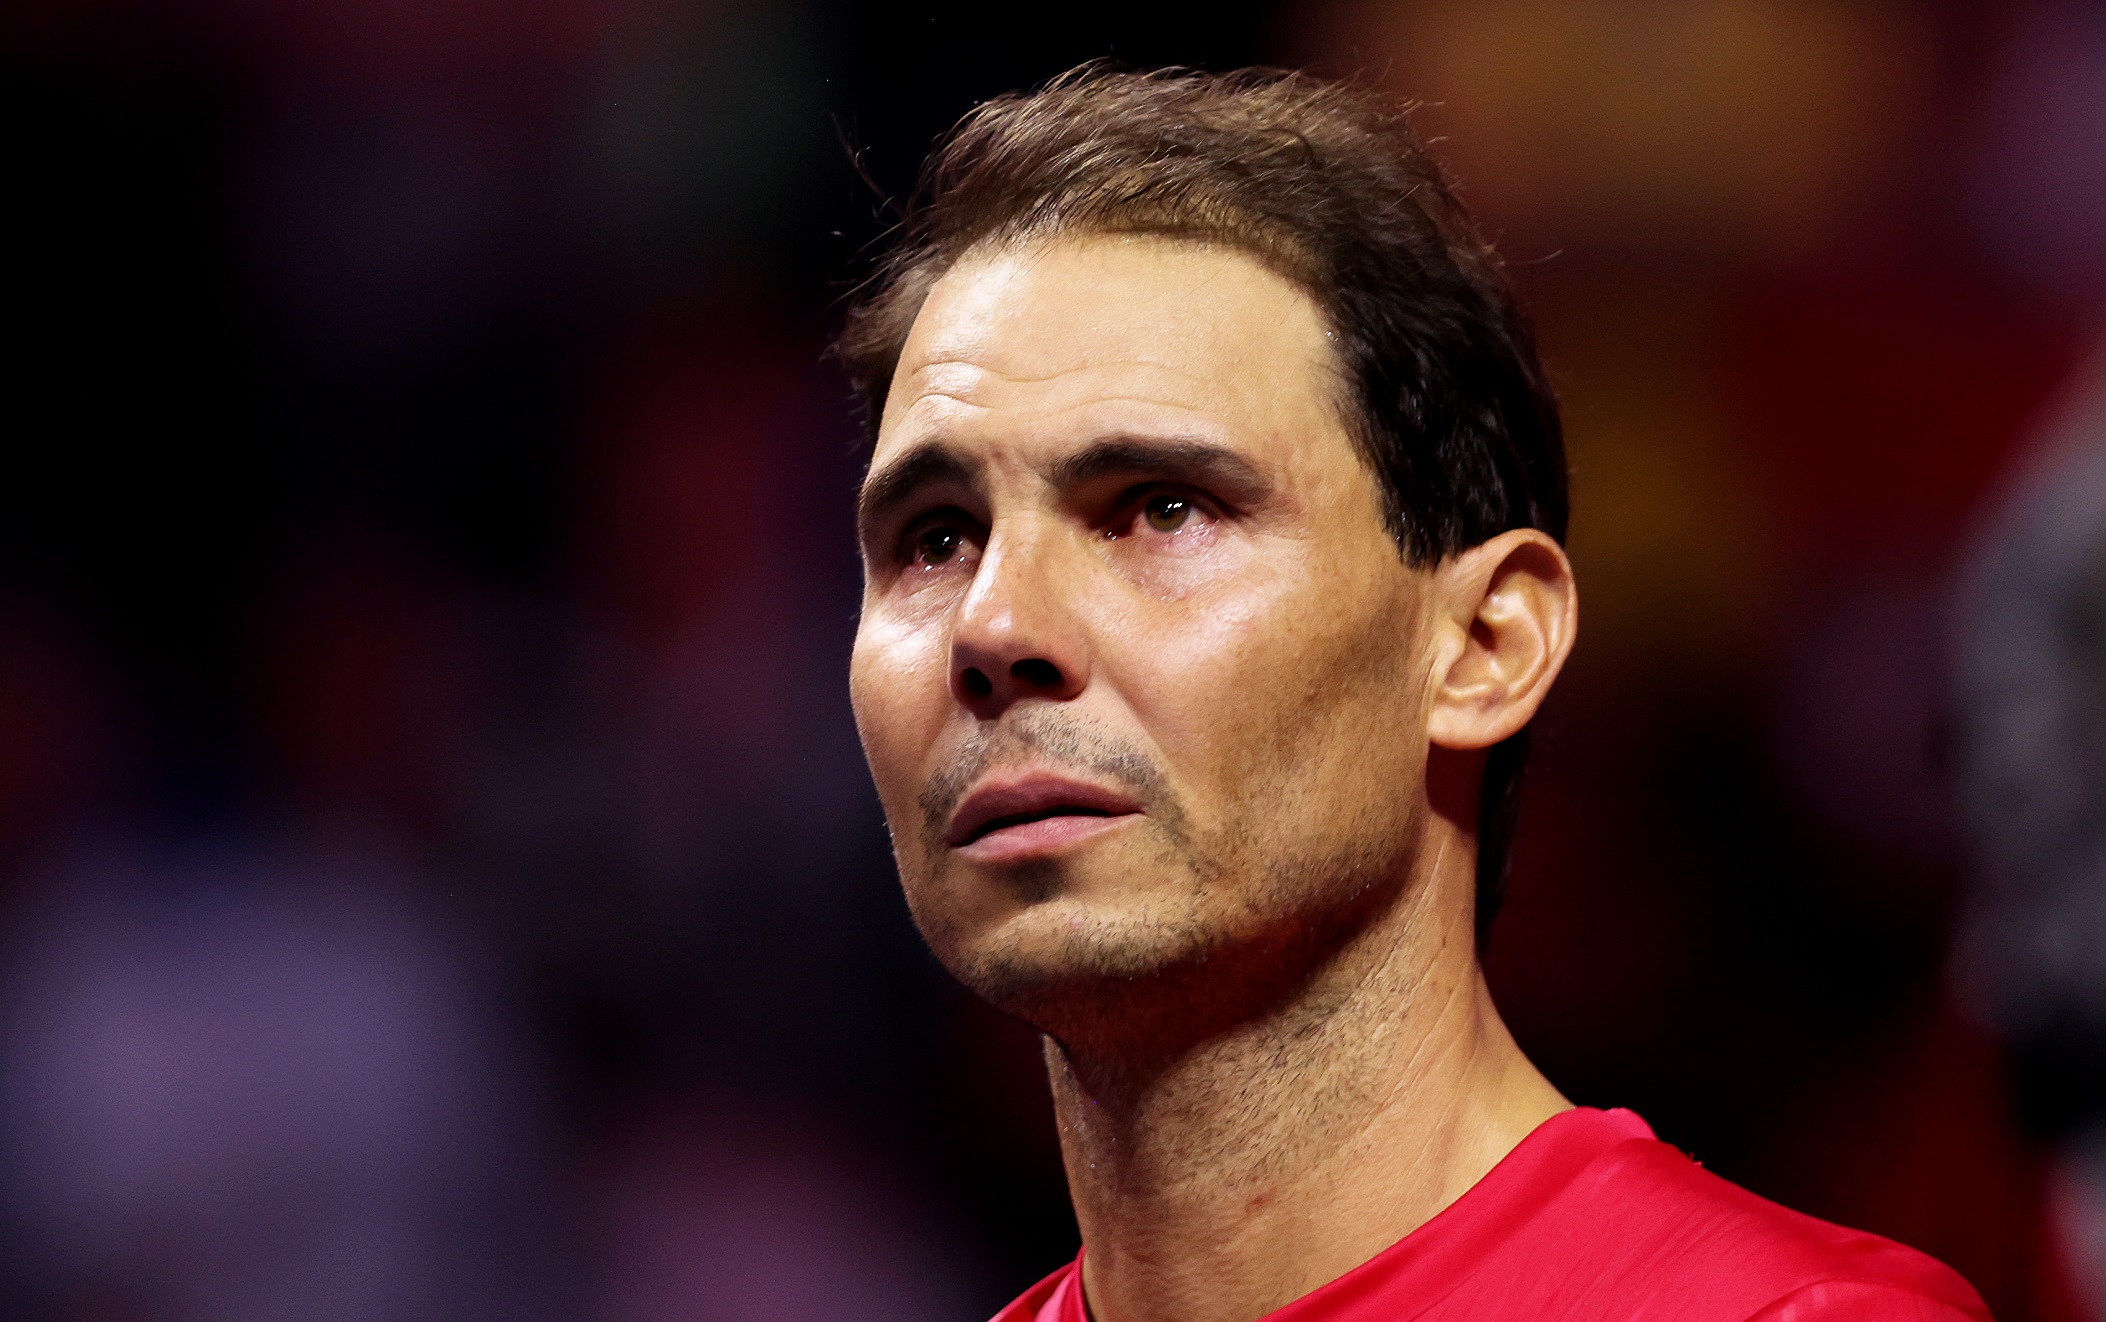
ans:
(1194, 606)
(1192, 564)
(1280, 688)
(898, 685)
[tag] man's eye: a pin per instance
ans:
(1167, 513)
(938, 544)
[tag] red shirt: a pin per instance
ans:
(1591, 1217)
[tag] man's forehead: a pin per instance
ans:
(972, 403)
(1104, 333)
(1035, 311)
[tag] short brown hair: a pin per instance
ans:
(1327, 185)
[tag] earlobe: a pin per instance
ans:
(1509, 613)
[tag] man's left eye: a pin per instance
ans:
(1167, 513)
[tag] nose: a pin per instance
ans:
(1014, 637)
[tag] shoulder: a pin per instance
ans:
(1694, 1245)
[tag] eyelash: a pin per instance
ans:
(1131, 509)
(1134, 506)
(948, 519)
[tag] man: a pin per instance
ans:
(1213, 575)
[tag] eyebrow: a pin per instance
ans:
(892, 486)
(896, 484)
(1197, 460)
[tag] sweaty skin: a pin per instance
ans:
(1179, 757)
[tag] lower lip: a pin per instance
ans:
(1046, 836)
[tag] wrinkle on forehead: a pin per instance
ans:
(1033, 403)
(1057, 413)
(966, 379)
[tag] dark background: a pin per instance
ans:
(438, 875)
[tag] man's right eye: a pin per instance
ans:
(937, 544)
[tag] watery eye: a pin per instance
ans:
(1167, 513)
(937, 544)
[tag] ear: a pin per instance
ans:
(1505, 614)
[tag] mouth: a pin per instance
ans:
(1034, 815)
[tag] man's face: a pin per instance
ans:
(1141, 675)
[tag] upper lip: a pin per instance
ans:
(1027, 798)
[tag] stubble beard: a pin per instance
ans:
(1228, 930)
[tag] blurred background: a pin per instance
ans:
(437, 874)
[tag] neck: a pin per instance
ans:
(1278, 1155)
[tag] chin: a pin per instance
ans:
(1052, 909)
(1061, 959)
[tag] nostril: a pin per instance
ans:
(976, 683)
(1036, 672)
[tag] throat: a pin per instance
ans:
(1288, 1148)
